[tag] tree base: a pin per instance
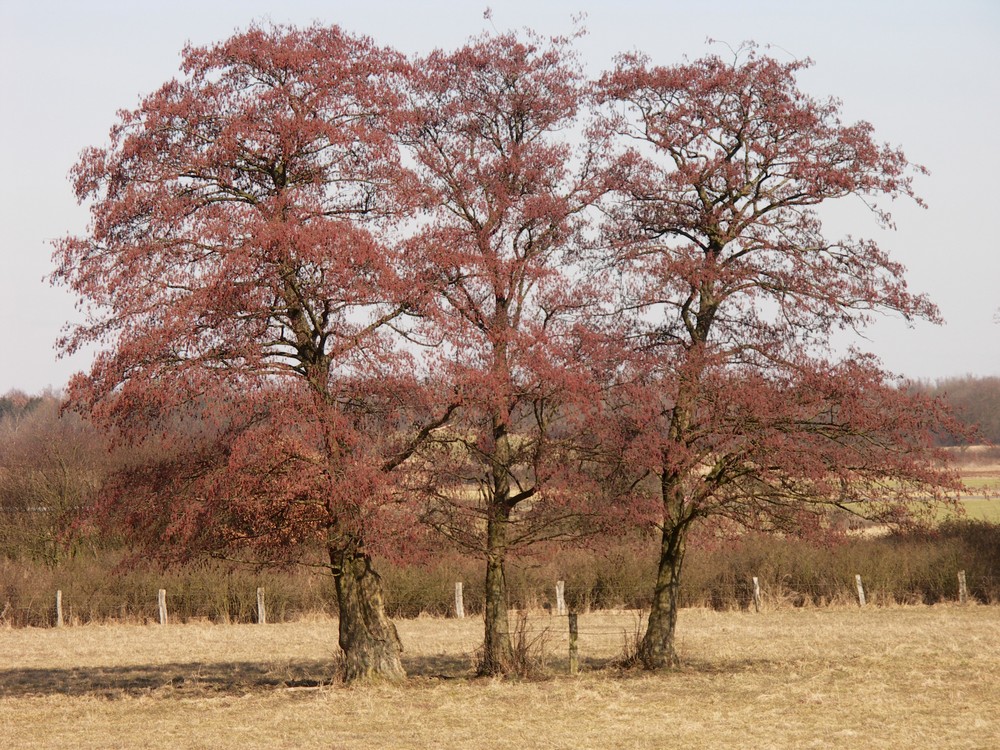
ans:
(495, 663)
(657, 656)
(368, 639)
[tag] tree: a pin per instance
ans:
(487, 134)
(51, 465)
(242, 272)
(731, 406)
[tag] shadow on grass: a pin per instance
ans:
(242, 678)
(200, 679)
(222, 678)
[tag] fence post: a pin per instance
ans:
(459, 603)
(756, 594)
(59, 614)
(261, 611)
(861, 590)
(560, 597)
(574, 654)
(162, 601)
(963, 589)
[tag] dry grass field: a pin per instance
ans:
(900, 677)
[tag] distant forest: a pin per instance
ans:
(975, 401)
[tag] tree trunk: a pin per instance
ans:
(368, 638)
(498, 653)
(656, 651)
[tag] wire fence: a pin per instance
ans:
(752, 572)
(248, 601)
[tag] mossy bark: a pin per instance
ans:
(497, 653)
(368, 638)
(656, 650)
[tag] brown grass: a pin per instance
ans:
(899, 677)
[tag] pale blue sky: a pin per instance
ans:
(928, 78)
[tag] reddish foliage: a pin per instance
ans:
(731, 399)
(242, 269)
(732, 290)
(329, 281)
(507, 198)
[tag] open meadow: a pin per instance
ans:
(979, 467)
(838, 677)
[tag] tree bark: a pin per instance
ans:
(656, 651)
(368, 639)
(498, 653)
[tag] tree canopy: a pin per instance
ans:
(241, 265)
(506, 195)
(730, 291)
(480, 290)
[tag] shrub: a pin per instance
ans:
(906, 568)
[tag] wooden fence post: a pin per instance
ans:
(560, 597)
(459, 603)
(574, 655)
(162, 601)
(261, 611)
(59, 614)
(756, 594)
(963, 589)
(861, 590)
